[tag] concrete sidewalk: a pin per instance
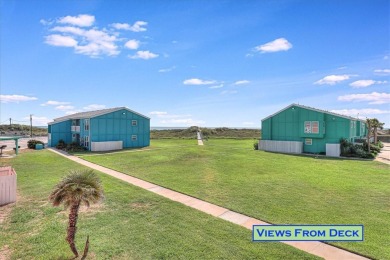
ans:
(199, 137)
(384, 155)
(316, 248)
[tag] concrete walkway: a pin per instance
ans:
(200, 141)
(316, 248)
(384, 155)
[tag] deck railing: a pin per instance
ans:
(75, 128)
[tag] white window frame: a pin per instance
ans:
(86, 141)
(86, 125)
(312, 127)
(308, 127)
(134, 122)
(134, 138)
(308, 141)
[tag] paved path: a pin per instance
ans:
(316, 248)
(384, 155)
(200, 141)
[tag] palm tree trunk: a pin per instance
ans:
(375, 135)
(73, 215)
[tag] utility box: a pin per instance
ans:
(333, 150)
(38, 146)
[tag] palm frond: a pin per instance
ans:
(77, 186)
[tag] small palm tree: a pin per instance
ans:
(75, 189)
(369, 123)
(376, 124)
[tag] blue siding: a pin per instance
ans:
(58, 131)
(115, 126)
(288, 125)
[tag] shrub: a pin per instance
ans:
(256, 145)
(31, 143)
(75, 147)
(61, 144)
(349, 149)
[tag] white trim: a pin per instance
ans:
(55, 120)
(313, 109)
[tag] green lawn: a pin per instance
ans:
(283, 189)
(131, 223)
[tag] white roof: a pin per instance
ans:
(91, 114)
(313, 109)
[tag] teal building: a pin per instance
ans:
(100, 130)
(312, 127)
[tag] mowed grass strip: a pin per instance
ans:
(131, 223)
(282, 189)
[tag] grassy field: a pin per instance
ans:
(191, 133)
(131, 223)
(283, 189)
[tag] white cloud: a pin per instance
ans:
(15, 98)
(332, 79)
(46, 22)
(64, 107)
(365, 83)
(94, 107)
(54, 103)
(121, 26)
(165, 118)
(71, 112)
(132, 44)
(382, 71)
(69, 29)
(146, 55)
(138, 26)
(242, 82)
(82, 20)
(158, 113)
(372, 98)
(361, 112)
(226, 92)
(217, 86)
(195, 81)
(167, 69)
(60, 40)
(280, 44)
(98, 43)
(91, 42)
(38, 121)
(183, 121)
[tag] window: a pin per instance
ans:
(86, 124)
(312, 127)
(134, 122)
(86, 142)
(134, 138)
(307, 127)
(308, 141)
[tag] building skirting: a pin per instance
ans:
(281, 146)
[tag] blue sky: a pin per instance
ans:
(183, 63)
